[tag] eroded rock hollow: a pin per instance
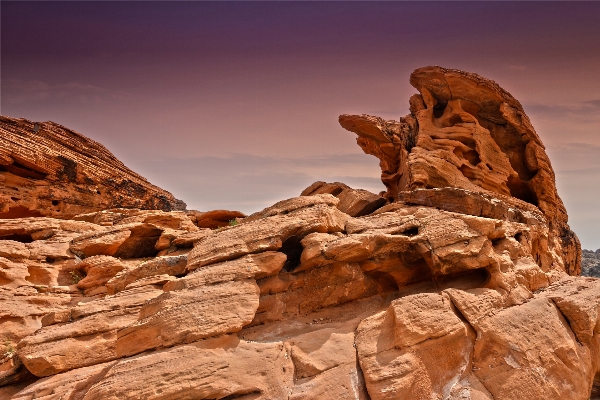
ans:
(461, 281)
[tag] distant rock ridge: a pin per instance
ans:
(49, 170)
(590, 263)
(461, 281)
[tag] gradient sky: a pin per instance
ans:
(234, 104)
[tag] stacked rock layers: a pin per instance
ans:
(49, 170)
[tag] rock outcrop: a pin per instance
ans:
(466, 132)
(446, 287)
(354, 202)
(49, 170)
(590, 263)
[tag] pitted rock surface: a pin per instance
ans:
(466, 132)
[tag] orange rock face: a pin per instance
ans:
(49, 170)
(215, 219)
(464, 131)
(354, 202)
(453, 286)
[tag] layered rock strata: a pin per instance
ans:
(303, 301)
(49, 170)
(446, 292)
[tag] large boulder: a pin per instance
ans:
(354, 202)
(215, 219)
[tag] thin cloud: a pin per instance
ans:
(581, 109)
(593, 103)
(574, 157)
(22, 91)
(250, 183)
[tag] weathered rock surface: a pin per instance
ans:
(466, 132)
(97, 270)
(459, 283)
(188, 239)
(215, 219)
(354, 202)
(590, 263)
(84, 342)
(133, 240)
(281, 225)
(513, 356)
(214, 369)
(187, 315)
(255, 266)
(415, 358)
(166, 265)
(71, 175)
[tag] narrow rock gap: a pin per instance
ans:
(292, 248)
(240, 394)
(361, 377)
(438, 109)
(23, 171)
(568, 322)
(472, 352)
(431, 269)
(20, 375)
(595, 392)
(91, 381)
(22, 238)
(411, 231)
(460, 315)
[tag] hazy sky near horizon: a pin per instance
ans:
(234, 104)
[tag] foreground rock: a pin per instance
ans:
(459, 282)
(188, 315)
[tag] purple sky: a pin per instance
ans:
(234, 104)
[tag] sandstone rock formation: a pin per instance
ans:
(590, 263)
(466, 132)
(460, 289)
(215, 219)
(354, 202)
(49, 170)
